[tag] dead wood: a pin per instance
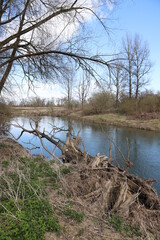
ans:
(118, 193)
(107, 188)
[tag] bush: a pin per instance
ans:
(70, 104)
(149, 103)
(128, 107)
(100, 103)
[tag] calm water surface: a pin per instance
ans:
(144, 145)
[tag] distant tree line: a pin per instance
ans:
(36, 102)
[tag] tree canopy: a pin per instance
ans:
(36, 36)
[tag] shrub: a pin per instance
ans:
(100, 103)
(129, 106)
(149, 103)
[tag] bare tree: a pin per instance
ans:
(68, 87)
(136, 64)
(83, 89)
(28, 40)
(142, 64)
(118, 79)
(127, 49)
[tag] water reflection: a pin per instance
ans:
(144, 145)
(4, 126)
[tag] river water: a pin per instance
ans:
(144, 146)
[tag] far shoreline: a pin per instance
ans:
(113, 119)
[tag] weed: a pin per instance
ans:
(25, 213)
(69, 204)
(64, 170)
(11, 146)
(118, 223)
(68, 195)
(77, 216)
(2, 145)
(5, 164)
(30, 223)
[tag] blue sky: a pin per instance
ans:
(142, 17)
(128, 16)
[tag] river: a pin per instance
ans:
(144, 146)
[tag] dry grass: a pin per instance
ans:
(125, 121)
(11, 149)
(100, 191)
(41, 111)
(94, 225)
(114, 119)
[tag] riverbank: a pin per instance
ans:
(39, 111)
(145, 122)
(44, 200)
(124, 121)
(39, 200)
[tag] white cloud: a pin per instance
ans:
(59, 25)
(110, 4)
(43, 90)
(58, 29)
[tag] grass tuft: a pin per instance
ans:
(75, 215)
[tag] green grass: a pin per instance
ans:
(25, 213)
(5, 164)
(74, 215)
(2, 145)
(64, 170)
(120, 226)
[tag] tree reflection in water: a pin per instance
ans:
(4, 125)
